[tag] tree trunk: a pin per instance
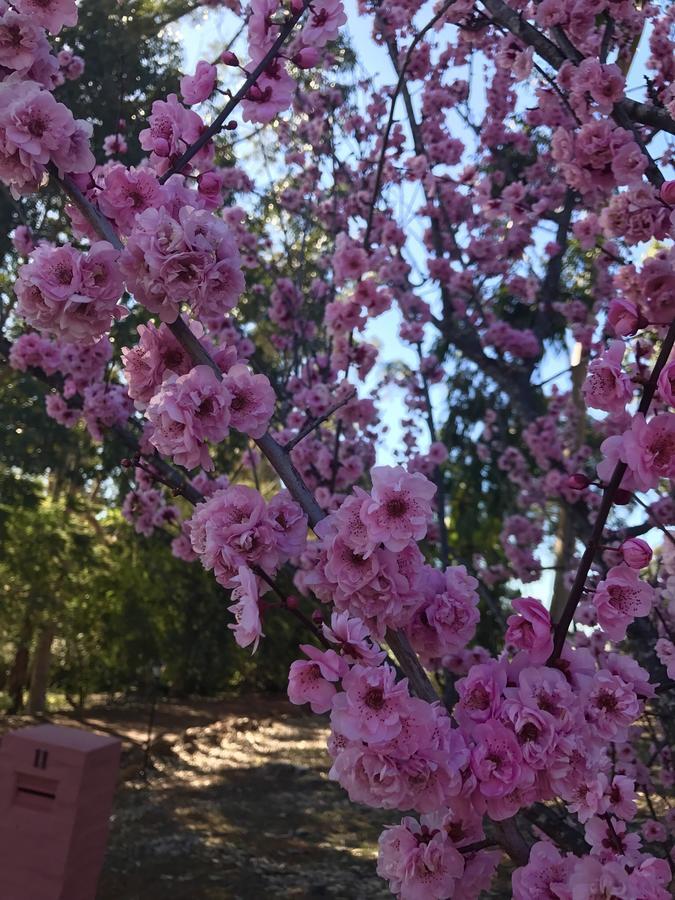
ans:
(18, 674)
(39, 681)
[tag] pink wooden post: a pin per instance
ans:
(56, 792)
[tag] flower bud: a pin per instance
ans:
(306, 58)
(623, 497)
(228, 58)
(297, 6)
(578, 481)
(636, 553)
(317, 617)
(668, 192)
(292, 602)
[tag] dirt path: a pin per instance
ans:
(237, 806)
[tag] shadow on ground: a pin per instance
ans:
(236, 806)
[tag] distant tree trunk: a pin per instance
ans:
(39, 681)
(567, 533)
(18, 674)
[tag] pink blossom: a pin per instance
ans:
(289, 523)
(72, 294)
(231, 529)
(156, 354)
(653, 831)
(585, 793)
(399, 509)
(611, 706)
(193, 258)
(126, 193)
(58, 409)
(546, 689)
(666, 383)
(323, 22)
(253, 400)
(115, 145)
(623, 316)
(51, 14)
(313, 681)
(546, 874)
(104, 406)
(591, 879)
(33, 351)
(23, 240)
(608, 843)
(531, 629)
(262, 32)
(246, 609)
(35, 129)
(621, 598)
(496, 759)
(172, 127)
(447, 619)
(480, 694)
(19, 40)
(372, 705)
(354, 639)
(431, 870)
(607, 386)
(657, 282)
(534, 730)
(648, 449)
(188, 411)
(199, 87)
(622, 798)
(270, 95)
(665, 650)
(350, 260)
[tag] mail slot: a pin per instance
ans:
(56, 792)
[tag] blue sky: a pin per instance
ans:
(204, 34)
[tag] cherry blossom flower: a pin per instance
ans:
(188, 411)
(399, 508)
(607, 386)
(531, 629)
(372, 705)
(619, 599)
(312, 681)
(51, 14)
(246, 609)
(253, 400)
(198, 87)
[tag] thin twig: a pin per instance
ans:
(608, 496)
(314, 424)
(219, 122)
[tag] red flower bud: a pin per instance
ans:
(578, 481)
(668, 192)
(228, 58)
(306, 58)
(292, 602)
(623, 497)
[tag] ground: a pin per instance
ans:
(236, 805)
